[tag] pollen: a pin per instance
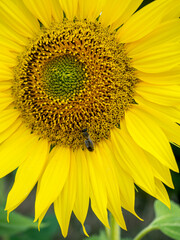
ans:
(74, 76)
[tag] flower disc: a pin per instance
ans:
(74, 76)
(90, 99)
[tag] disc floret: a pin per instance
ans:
(74, 76)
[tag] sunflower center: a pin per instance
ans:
(74, 76)
(63, 77)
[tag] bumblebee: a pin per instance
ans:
(87, 140)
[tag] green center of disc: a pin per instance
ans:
(64, 77)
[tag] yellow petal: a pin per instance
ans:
(143, 21)
(7, 59)
(6, 96)
(157, 59)
(53, 179)
(130, 9)
(57, 12)
(131, 158)
(10, 130)
(17, 16)
(127, 191)
(8, 117)
(29, 173)
(11, 45)
(84, 230)
(5, 73)
(149, 136)
(111, 179)
(178, 107)
(90, 9)
(163, 95)
(5, 85)
(173, 11)
(160, 171)
(5, 101)
(11, 34)
(159, 110)
(98, 190)
(41, 218)
(112, 10)
(171, 77)
(6, 52)
(161, 193)
(64, 204)
(41, 10)
(82, 192)
(69, 7)
(15, 150)
(125, 182)
(173, 136)
(168, 125)
(165, 33)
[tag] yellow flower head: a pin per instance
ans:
(89, 101)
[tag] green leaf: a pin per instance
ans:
(127, 239)
(167, 220)
(169, 225)
(46, 233)
(18, 223)
(102, 236)
(93, 238)
(161, 209)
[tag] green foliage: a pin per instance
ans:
(162, 210)
(127, 239)
(23, 228)
(46, 233)
(17, 224)
(167, 220)
(101, 236)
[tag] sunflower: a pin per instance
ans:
(90, 96)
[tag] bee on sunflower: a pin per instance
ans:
(100, 66)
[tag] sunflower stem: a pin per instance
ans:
(114, 232)
(144, 232)
(108, 233)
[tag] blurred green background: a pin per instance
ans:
(144, 208)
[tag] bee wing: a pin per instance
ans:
(89, 145)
